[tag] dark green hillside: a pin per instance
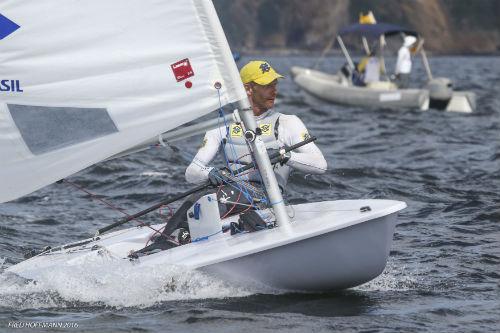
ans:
(448, 26)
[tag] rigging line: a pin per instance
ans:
(328, 210)
(185, 155)
(255, 167)
(93, 196)
(221, 115)
(232, 208)
(244, 177)
(192, 159)
(228, 135)
(228, 163)
(309, 165)
(276, 202)
(291, 207)
(200, 164)
(119, 209)
(238, 182)
(235, 203)
(202, 238)
(247, 185)
(246, 182)
(166, 219)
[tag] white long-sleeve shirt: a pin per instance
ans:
(291, 130)
(403, 64)
(372, 70)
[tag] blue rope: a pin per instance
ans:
(275, 203)
(243, 178)
(199, 239)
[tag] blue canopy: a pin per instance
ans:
(375, 30)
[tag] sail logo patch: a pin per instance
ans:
(10, 85)
(7, 27)
(235, 131)
(182, 69)
(266, 129)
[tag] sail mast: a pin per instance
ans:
(223, 53)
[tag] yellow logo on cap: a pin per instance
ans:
(235, 131)
(258, 71)
(266, 129)
(264, 67)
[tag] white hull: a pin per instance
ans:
(330, 88)
(336, 260)
(330, 245)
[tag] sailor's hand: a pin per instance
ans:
(278, 155)
(217, 177)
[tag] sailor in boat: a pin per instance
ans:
(277, 130)
(403, 63)
(371, 68)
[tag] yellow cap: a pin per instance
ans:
(259, 72)
(369, 18)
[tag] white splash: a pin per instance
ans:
(114, 284)
(393, 278)
(2, 264)
(154, 174)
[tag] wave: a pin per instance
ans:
(112, 285)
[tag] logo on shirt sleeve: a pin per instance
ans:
(266, 129)
(304, 136)
(235, 131)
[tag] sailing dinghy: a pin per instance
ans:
(100, 78)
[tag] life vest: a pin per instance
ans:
(236, 150)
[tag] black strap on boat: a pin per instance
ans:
(195, 189)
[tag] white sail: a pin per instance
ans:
(81, 81)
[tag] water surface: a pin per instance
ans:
(442, 276)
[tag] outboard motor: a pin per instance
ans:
(345, 75)
(440, 92)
